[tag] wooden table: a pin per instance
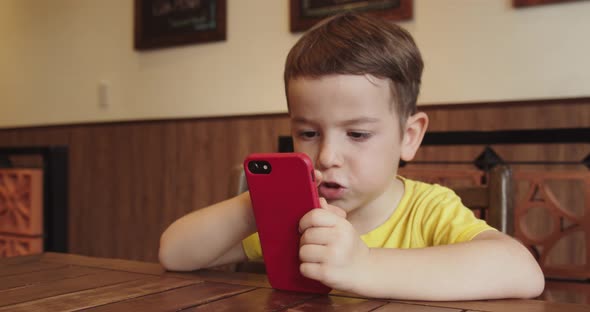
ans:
(65, 282)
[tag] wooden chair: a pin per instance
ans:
(495, 199)
(237, 182)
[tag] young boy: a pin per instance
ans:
(351, 84)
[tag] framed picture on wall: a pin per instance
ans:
(306, 13)
(168, 23)
(526, 3)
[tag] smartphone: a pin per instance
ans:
(282, 190)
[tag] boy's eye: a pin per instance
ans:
(308, 134)
(357, 135)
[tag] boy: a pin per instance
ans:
(352, 83)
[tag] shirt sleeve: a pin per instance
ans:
(251, 245)
(448, 221)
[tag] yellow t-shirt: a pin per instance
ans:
(427, 215)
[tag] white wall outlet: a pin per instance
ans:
(104, 94)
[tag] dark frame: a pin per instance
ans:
(159, 24)
(301, 21)
(527, 3)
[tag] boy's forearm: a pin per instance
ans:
(482, 269)
(200, 238)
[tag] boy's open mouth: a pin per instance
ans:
(331, 185)
(331, 190)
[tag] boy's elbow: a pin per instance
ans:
(167, 257)
(164, 255)
(536, 285)
(533, 283)
(173, 257)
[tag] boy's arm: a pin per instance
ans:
(490, 266)
(208, 237)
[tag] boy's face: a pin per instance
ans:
(346, 125)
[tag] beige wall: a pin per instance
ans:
(53, 54)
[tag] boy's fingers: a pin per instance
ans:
(323, 203)
(318, 177)
(311, 253)
(316, 236)
(318, 218)
(337, 210)
(311, 270)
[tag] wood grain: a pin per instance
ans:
(176, 299)
(257, 300)
(20, 259)
(38, 277)
(27, 267)
(395, 307)
(325, 303)
(106, 289)
(96, 296)
(65, 286)
(239, 278)
(507, 305)
(112, 264)
(567, 292)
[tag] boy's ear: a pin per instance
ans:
(413, 133)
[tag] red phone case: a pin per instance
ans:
(280, 198)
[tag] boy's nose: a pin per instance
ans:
(328, 156)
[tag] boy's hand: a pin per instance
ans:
(331, 250)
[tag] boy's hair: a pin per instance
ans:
(359, 44)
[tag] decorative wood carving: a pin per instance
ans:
(11, 246)
(21, 211)
(563, 223)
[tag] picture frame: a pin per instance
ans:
(306, 13)
(169, 23)
(527, 3)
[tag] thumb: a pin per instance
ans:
(318, 177)
(336, 210)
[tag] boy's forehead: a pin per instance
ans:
(349, 86)
(339, 98)
(340, 86)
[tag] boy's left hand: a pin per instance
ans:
(331, 250)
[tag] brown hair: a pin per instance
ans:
(358, 44)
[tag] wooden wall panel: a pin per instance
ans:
(129, 181)
(560, 113)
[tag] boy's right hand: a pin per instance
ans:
(331, 250)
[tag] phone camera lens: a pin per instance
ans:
(259, 167)
(253, 167)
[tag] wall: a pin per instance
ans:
(54, 53)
